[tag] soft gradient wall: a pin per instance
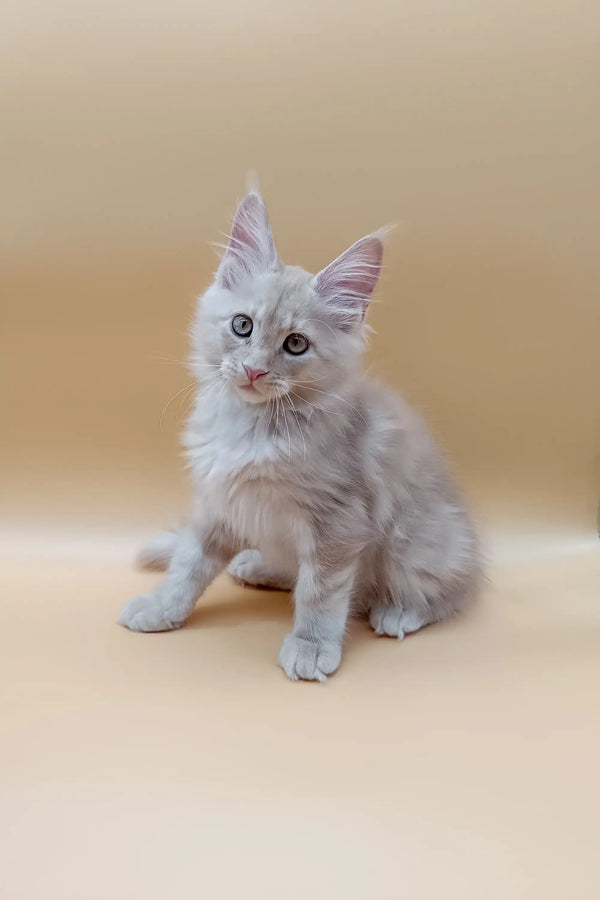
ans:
(127, 132)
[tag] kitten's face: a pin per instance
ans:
(273, 323)
(267, 330)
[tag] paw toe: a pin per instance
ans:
(300, 658)
(244, 564)
(387, 620)
(248, 568)
(144, 613)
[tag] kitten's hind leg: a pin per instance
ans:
(394, 621)
(419, 582)
(398, 599)
(386, 591)
(418, 599)
(249, 568)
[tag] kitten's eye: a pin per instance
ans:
(296, 344)
(241, 325)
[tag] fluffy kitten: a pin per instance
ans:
(308, 476)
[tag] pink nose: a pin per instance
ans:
(253, 374)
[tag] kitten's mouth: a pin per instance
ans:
(263, 394)
(249, 389)
(251, 393)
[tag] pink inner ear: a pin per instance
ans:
(241, 237)
(354, 274)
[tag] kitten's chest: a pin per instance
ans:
(224, 458)
(243, 480)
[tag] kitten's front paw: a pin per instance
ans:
(150, 612)
(300, 658)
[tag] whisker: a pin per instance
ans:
(314, 405)
(272, 412)
(288, 431)
(277, 414)
(337, 397)
(182, 408)
(295, 415)
(321, 322)
(181, 391)
(172, 360)
(312, 380)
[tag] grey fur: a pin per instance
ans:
(312, 476)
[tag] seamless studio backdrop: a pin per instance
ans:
(462, 761)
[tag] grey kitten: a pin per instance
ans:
(308, 476)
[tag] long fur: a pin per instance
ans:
(331, 481)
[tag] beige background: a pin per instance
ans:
(459, 764)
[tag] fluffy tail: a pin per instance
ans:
(157, 553)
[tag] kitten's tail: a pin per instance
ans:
(157, 553)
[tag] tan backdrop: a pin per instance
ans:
(127, 131)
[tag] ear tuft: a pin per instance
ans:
(251, 248)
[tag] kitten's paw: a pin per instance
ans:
(300, 658)
(388, 620)
(395, 621)
(248, 567)
(150, 612)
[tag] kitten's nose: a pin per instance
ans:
(253, 374)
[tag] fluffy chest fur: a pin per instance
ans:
(241, 467)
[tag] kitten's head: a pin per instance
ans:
(269, 330)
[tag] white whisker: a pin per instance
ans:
(288, 431)
(181, 391)
(334, 412)
(342, 399)
(295, 415)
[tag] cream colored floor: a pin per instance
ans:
(461, 763)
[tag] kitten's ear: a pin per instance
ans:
(348, 282)
(251, 248)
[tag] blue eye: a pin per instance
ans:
(241, 325)
(296, 344)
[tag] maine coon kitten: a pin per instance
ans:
(308, 476)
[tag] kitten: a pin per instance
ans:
(308, 476)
